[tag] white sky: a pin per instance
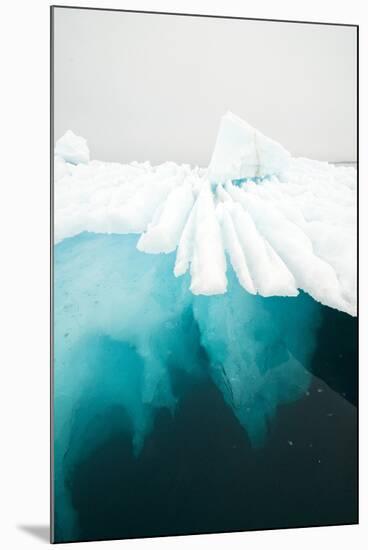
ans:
(153, 87)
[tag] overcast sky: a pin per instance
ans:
(153, 87)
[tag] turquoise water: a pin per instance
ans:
(178, 414)
(254, 179)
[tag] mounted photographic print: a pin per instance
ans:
(204, 281)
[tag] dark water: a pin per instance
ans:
(197, 471)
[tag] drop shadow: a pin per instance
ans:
(40, 532)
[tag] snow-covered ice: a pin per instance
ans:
(72, 148)
(292, 229)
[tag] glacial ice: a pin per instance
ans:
(242, 152)
(72, 148)
(215, 272)
(283, 224)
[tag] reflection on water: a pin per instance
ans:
(177, 414)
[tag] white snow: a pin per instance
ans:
(280, 236)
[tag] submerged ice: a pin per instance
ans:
(217, 273)
(124, 326)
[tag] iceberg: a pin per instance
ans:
(72, 148)
(282, 224)
(242, 152)
(220, 274)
